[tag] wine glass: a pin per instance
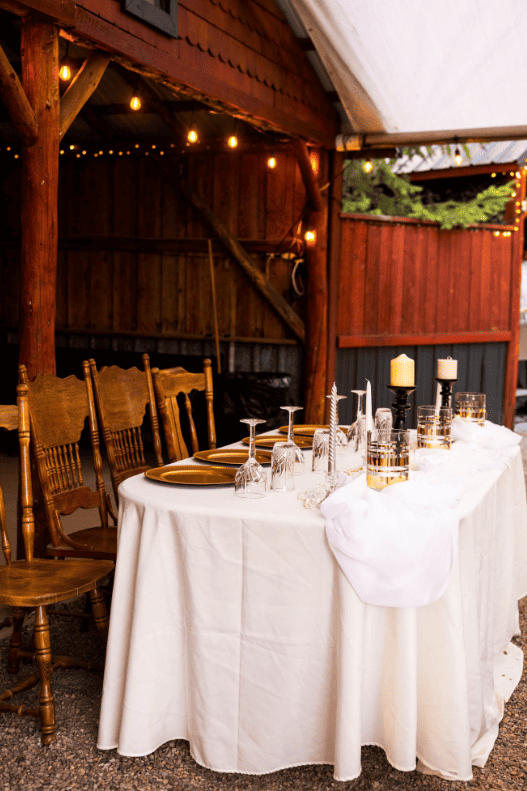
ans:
(251, 478)
(299, 456)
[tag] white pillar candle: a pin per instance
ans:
(369, 412)
(402, 370)
(447, 369)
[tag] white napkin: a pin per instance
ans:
(489, 436)
(396, 547)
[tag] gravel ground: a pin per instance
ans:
(73, 761)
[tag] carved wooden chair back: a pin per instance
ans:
(168, 384)
(36, 583)
(122, 397)
(58, 411)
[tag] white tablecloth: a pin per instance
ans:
(232, 626)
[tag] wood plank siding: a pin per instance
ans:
(240, 57)
(133, 254)
(413, 287)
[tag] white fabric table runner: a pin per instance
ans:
(233, 627)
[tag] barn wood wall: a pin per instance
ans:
(132, 254)
(401, 281)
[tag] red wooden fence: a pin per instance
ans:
(404, 282)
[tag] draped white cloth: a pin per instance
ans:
(233, 627)
(397, 547)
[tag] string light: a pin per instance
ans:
(65, 72)
(310, 237)
(314, 161)
(271, 163)
(458, 159)
(135, 103)
(65, 69)
(232, 142)
(192, 136)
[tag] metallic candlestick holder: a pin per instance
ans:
(333, 476)
(400, 405)
(446, 391)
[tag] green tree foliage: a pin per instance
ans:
(383, 192)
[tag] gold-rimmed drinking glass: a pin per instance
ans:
(471, 407)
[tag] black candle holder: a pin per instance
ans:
(446, 391)
(401, 405)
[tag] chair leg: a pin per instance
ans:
(43, 657)
(15, 645)
(100, 612)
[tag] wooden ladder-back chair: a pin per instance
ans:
(58, 410)
(36, 583)
(122, 397)
(168, 384)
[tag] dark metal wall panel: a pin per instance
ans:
(481, 369)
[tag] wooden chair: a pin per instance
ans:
(168, 384)
(122, 397)
(58, 410)
(36, 583)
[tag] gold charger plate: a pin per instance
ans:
(235, 456)
(305, 430)
(270, 439)
(193, 475)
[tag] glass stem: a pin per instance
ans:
(252, 438)
(290, 434)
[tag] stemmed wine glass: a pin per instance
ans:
(299, 456)
(251, 478)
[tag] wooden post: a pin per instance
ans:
(40, 170)
(315, 361)
(334, 210)
(511, 370)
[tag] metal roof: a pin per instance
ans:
(497, 153)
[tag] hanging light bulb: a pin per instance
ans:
(192, 136)
(65, 69)
(458, 159)
(135, 102)
(232, 142)
(271, 163)
(310, 237)
(65, 72)
(367, 165)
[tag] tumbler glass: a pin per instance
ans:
(471, 407)
(387, 458)
(434, 427)
(283, 467)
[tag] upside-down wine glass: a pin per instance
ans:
(251, 478)
(357, 430)
(299, 456)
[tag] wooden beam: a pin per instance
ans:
(314, 197)
(16, 102)
(433, 339)
(61, 11)
(511, 369)
(335, 202)
(444, 137)
(316, 255)
(282, 307)
(82, 86)
(40, 175)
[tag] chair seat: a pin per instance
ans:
(40, 582)
(102, 543)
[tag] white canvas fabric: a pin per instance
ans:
(414, 66)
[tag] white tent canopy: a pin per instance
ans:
(415, 66)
